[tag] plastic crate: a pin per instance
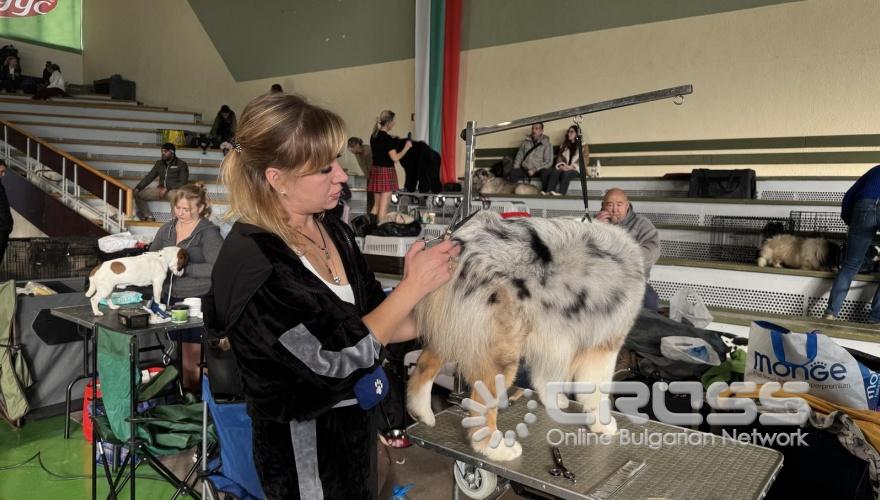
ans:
(384, 254)
(430, 231)
(389, 246)
(506, 207)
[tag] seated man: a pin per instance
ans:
(10, 75)
(172, 173)
(616, 209)
(534, 155)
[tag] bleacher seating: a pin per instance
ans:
(121, 139)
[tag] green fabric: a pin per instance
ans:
(435, 72)
(14, 373)
(724, 372)
(165, 429)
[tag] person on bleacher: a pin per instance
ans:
(534, 157)
(5, 214)
(617, 210)
(56, 86)
(223, 129)
(172, 173)
(555, 180)
(10, 75)
(861, 212)
(387, 150)
(47, 73)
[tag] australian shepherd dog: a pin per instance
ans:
(558, 293)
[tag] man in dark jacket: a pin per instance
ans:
(172, 173)
(5, 214)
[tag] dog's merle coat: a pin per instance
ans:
(557, 292)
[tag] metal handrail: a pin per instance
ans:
(76, 174)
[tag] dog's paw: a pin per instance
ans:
(762, 262)
(97, 313)
(599, 428)
(501, 453)
(562, 401)
(419, 408)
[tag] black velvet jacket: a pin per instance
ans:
(263, 291)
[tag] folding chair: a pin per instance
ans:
(160, 431)
(233, 472)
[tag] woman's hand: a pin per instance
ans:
(427, 269)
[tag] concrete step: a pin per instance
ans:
(89, 149)
(64, 119)
(91, 132)
(76, 98)
(138, 170)
(99, 109)
(785, 292)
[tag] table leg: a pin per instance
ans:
(94, 406)
(133, 367)
(85, 375)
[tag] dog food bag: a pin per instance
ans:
(778, 355)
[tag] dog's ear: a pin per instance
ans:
(182, 259)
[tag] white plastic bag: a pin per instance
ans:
(679, 308)
(117, 242)
(778, 355)
(690, 350)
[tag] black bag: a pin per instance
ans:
(362, 225)
(414, 228)
(708, 183)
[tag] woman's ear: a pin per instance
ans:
(275, 178)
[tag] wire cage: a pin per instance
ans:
(827, 225)
(738, 238)
(47, 258)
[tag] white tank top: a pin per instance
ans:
(344, 292)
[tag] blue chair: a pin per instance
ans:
(233, 472)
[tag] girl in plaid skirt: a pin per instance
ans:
(387, 151)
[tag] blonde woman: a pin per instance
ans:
(387, 150)
(192, 230)
(305, 317)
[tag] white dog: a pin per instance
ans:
(149, 268)
(557, 292)
(797, 252)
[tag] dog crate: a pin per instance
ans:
(827, 225)
(384, 254)
(49, 258)
(738, 239)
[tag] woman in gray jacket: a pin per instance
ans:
(191, 230)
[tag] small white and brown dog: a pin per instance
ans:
(149, 268)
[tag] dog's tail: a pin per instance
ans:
(92, 289)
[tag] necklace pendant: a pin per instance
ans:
(337, 280)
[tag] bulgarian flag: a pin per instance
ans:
(437, 48)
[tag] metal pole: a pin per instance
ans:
(470, 143)
(620, 102)
(64, 193)
(27, 156)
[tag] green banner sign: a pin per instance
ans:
(53, 23)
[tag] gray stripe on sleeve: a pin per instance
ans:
(305, 454)
(337, 364)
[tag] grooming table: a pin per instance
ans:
(720, 469)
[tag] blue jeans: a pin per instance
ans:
(862, 228)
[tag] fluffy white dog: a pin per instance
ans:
(149, 268)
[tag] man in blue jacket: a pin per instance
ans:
(861, 212)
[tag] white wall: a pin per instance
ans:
(21, 228)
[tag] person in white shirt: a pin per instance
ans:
(56, 86)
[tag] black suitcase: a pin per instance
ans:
(708, 183)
